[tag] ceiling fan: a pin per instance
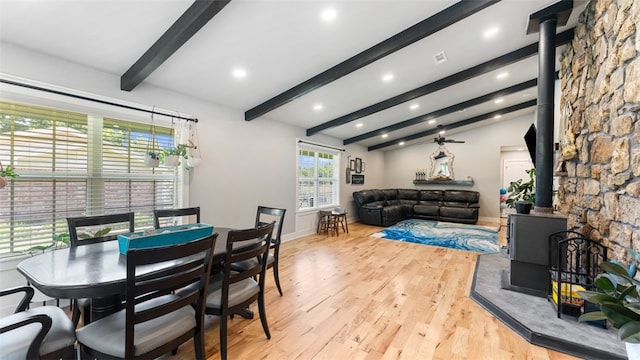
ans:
(441, 140)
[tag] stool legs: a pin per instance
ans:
(332, 225)
(342, 220)
(327, 223)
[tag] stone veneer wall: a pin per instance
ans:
(600, 81)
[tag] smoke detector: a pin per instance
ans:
(440, 57)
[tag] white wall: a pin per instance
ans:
(478, 157)
(245, 163)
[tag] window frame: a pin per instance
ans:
(317, 179)
(94, 141)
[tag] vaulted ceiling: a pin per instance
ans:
(374, 73)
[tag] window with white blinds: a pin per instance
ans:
(72, 164)
(318, 178)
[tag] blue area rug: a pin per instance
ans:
(482, 239)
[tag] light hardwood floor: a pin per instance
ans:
(354, 296)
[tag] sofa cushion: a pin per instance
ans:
(461, 196)
(391, 214)
(408, 194)
(432, 210)
(430, 195)
(408, 198)
(391, 196)
(456, 204)
(448, 213)
(430, 203)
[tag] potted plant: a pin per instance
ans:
(152, 159)
(522, 194)
(171, 156)
(194, 158)
(6, 172)
(59, 241)
(619, 303)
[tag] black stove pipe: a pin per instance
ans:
(544, 141)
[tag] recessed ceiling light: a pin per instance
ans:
(239, 73)
(414, 106)
(401, 143)
(317, 107)
(328, 14)
(440, 57)
(502, 75)
(432, 121)
(491, 32)
(384, 136)
(359, 125)
(387, 77)
(497, 116)
(442, 132)
(498, 101)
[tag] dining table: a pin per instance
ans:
(96, 271)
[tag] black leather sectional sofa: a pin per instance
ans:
(385, 207)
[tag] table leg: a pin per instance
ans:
(246, 313)
(102, 307)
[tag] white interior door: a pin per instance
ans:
(515, 169)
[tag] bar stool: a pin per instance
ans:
(340, 216)
(327, 222)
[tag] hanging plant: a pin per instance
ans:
(194, 158)
(171, 156)
(5, 173)
(152, 156)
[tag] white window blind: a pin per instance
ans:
(318, 178)
(72, 164)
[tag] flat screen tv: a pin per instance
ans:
(530, 140)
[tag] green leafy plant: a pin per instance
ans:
(97, 233)
(154, 155)
(521, 190)
(618, 299)
(180, 150)
(8, 171)
(59, 241)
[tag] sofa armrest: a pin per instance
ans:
(371, 207)
(371, 214)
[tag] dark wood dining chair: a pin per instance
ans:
(155, 321)
(80, 235)
(264, 215)
(123, 222)
(237, 290)
(54, 338)
(172, 213)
